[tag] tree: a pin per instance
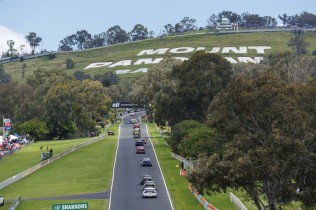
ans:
(149, 90)
(298, 44)
(139, 32)
(284, 18)
(307, 19)
(115, 35)
(179, 131)
(80, 75)
(268, 153)
(190, 138)
(82, 37)
(169, 29)
(11, 51)
(188, 24)
(107, 79)
(192, 85)
(68, 43)
(178, 27)
(99, 40)
(18, 101)
(33, 40)
(69, 63)
(269, 22)
(36, 128)
(4, 77)
(292, 69)
(75, 110)
(212, 21)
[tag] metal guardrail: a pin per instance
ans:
(16, 203)
(237, 202)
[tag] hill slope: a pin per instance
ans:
(131, 59)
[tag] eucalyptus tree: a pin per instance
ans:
(190, 138)
(191, 87)
(298, 44)
(169, 29)
(18, 101)
(115, 35)
(188, 24)
(33, 40)
(82, 37)
(270, 151)
(11, 50)
(75, 106)
(149, 90)
(139, 32)
(68, 43)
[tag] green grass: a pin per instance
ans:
(47, 205)
(86, 170)
(181, 197)
(89, 169)
(30, 156)
(277, 40)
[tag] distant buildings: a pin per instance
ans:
(224, 25)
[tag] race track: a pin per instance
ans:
(126, 191)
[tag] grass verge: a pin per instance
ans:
(86, 170)
(181, 197)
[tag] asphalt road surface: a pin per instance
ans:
(126, 192)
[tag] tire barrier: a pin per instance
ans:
(202, 201)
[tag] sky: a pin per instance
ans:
(57, 19)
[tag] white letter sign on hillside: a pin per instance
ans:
(153, 52)
(97, 65)
(182, 50)
(122, 63)
(242, 50)
(260, 49)
(148, 61)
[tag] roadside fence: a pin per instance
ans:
(237, 202)
(15, 204)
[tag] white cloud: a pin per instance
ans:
(8, 34)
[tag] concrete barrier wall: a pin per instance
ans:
(46, 162)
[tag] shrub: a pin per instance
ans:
(69, 63)
(51, 56)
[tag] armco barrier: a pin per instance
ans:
(46, 162)
(203, 202)
(15, 204)
(237, 202)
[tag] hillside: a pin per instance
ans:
(131, 59)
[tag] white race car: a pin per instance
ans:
(149, 192)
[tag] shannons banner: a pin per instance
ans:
(258, 51)
(70, 206)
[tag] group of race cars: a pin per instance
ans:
(149, 186)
